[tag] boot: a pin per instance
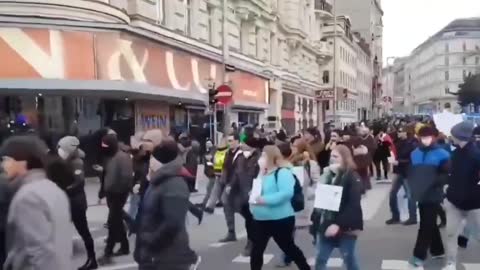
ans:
(393, 221)
(90, 264)
(124, 249)
(231, 237)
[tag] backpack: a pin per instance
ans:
(298, 200)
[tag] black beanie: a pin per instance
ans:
(427, 131)
(27, 148)
(166, 151)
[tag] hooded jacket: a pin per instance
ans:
(404, 148)
(118, 170)
(425, 178)
(162, 238)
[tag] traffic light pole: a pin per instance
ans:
(228, 108)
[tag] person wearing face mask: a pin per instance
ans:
(340, 228)
(405, 145)
(430, 166)
(463, 192)
(162, 238)
(118, 181)
(364, 148)
(70, 171)
(247, 167)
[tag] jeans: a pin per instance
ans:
(116, 228)
(429, 237)
(79, 219)
(211, 184)
(386, 166)
(412, 205)
(346, 244)
(247, 215)
(282, 233)
(455, 226)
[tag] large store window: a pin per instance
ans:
(248, 118)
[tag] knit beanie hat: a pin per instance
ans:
(166, 151)
(463, 131)
(27, 148)
(68, 145)
(427, 131)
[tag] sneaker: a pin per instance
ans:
(415, 264)
(438, 257)
(410, 222)
(247, 250)
(209, 210)
(462, 241)
(282, 264)
(197, 263)
(392, 221)
(450, 266)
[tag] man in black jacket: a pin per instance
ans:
(463, 193)
(162, 238)
(405, 145)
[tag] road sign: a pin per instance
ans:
(326, 94)
(224, 94)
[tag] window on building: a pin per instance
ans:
(477, 48)
(258, 42)
(161, 16)
(447, 90)
(188, 17)
(447, 48)
(464, 46)
(244, 36)
(273, 49)
(326, 76)
(447, 75)
(464, 74)
(447, 60)
(464, 60)
(477, 60)
(210, 23)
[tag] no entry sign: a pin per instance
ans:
(224, 94)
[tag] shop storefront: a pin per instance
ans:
(67, 81)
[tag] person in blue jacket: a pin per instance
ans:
(273, 213)
(430, 165)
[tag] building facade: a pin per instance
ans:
(436, 67)
(141, 64)
(353, 74)
(400, 99)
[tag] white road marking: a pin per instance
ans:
(394, 265)
(241, 259)
(118, 267)
(217, 245)
(332, 262)
(471, 266)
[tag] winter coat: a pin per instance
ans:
(463, 189)
(209, 160)
(404, 150)
(191, 158)
(350, 216)
(426, 176)
(362, 161)
(6, 194)
(383, 150)
(118, 172)
(162, 238)
(39, 232)
(245, 170)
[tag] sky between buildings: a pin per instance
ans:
(410, 22)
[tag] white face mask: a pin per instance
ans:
(334, 167)
(427, 141)
(62, 153)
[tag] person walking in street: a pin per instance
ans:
(463, 192)
(69, 171)
(273, 213)
(38, 234)
(405, 145)
(430, 166)
(340, 228)
(209, 171)
(118, 181)
(364, 148)
(383, 152)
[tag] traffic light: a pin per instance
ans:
(212, 95)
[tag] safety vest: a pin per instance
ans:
(219, 160)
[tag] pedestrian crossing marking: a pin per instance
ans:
(242, 259)
(119, 267)
(394, 265)
(471, 266)
(332, 262)
(217, 245)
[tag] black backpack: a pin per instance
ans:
(298, 200)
